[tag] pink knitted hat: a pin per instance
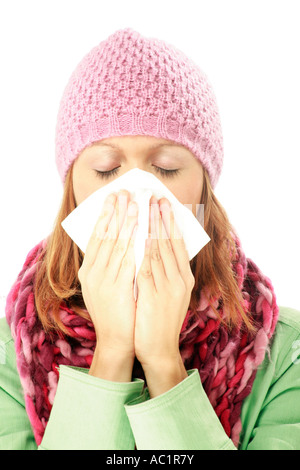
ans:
(132, 85)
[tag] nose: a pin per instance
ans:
(141, 166)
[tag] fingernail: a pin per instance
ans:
(164, 202)
(165, 208)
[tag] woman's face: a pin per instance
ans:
(117, 155)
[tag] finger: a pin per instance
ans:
(108, 241)
(123, 242)
(119, 215)
(167, 215)
(167, 253)
(176, 239)
(157, 266)
(163, 261)
(100, 229)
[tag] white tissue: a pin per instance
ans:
(80, 223)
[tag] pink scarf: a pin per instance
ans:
(227, 363)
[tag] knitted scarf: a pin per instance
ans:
(227, 361)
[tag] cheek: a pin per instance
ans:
(189, 195)
(83, 184)
(192, 201)
(81, 194)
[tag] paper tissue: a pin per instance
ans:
(80, 223)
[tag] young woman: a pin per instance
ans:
(203, 358)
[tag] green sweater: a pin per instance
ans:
(92, 413)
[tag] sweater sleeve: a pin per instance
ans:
(181, 418)
(92, 413)
(88, 413)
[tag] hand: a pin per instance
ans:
(165, 282)
(106, 276)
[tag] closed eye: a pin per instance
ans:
(167, 173)
(107, 174)
(162, 171)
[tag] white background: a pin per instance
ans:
(250, 52)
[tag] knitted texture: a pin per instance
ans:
(227, 362)
(133, 85)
